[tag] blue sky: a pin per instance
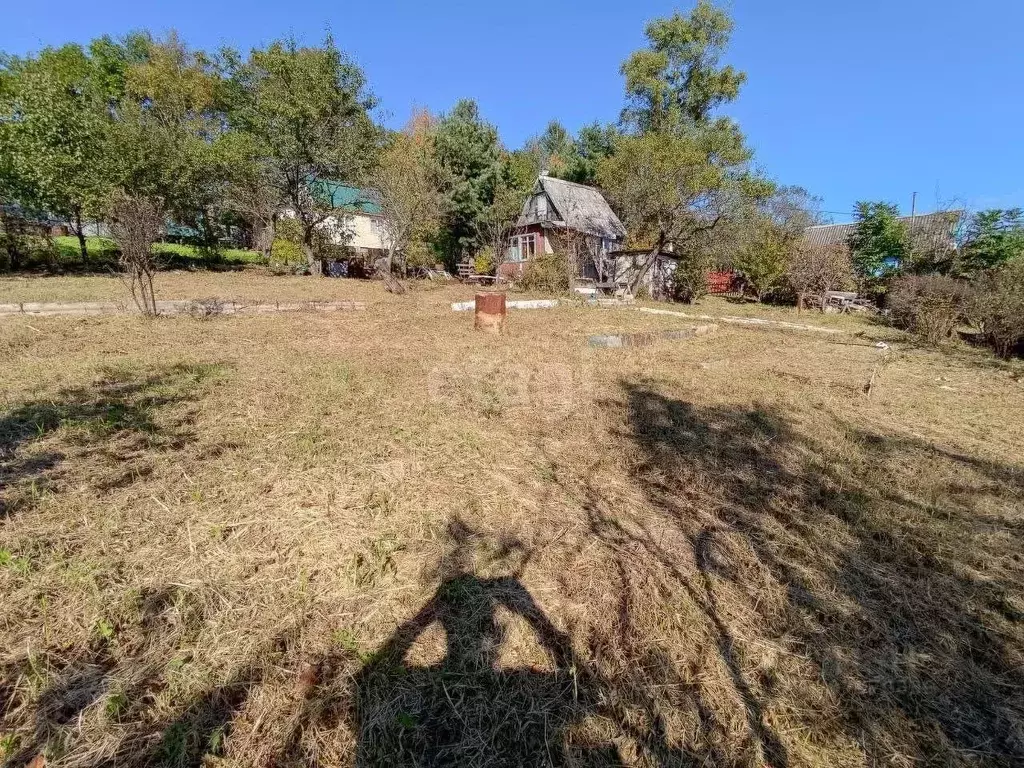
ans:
(853, 99)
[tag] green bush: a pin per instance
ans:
(689, 280)
(420, 254)
(484, 262)
(547, 273)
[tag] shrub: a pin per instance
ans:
(420, 253)
(763, 261)
(287, 246)
(929, 306)
(689, 280)
(484, 262)
(815, 269)
(547, 273)
(284, 251)
(997, 307)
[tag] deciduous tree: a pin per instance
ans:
(309, 110)
(673, 187)
(763, 259)
(817, 269)
(53, 140)
(158, 148)
(516, 176)
(135, 221)
(410, 188)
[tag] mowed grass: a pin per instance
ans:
(380, 538)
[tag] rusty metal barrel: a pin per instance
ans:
(489, 315)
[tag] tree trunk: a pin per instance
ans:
(81, 236)
(392, 284)
(799, 302)
(315, 266)
(266, 239)
(208, 236)
(651, 258)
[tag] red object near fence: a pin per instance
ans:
(720, 281)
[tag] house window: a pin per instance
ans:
(522, 248)
(542, 206)
(528, 246)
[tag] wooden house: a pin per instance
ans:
(562, 216)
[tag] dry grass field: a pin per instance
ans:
(379, 538)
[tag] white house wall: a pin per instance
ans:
(355, 230)
(358, 231)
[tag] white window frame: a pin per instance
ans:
(527, 246)
(522, 248)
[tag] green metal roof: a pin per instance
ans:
(179, 230)
(338, 195)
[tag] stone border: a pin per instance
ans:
(644, 339)
(194, 307)
(751, 321)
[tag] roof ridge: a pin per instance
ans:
(956, 211)
(566, 181)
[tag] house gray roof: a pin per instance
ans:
(576, 207)
(938, 226)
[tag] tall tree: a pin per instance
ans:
(594, 143)
(158, 146)
(573, 159)
(409, 185)
(309, 111)
(676, 173)
(176, 96)
(678, 77)
(993, 237)
(54, 134)
(252, 189)
(554, 150)
(468, 153)
(675, 187)
(879, 243)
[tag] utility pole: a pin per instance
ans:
(913, 206)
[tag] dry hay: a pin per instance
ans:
(382, 539)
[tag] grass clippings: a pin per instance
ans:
(380, 538)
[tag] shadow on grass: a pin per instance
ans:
(903, 587)
(886, 569)
(466, 709)
(123, 682)
(110, 426)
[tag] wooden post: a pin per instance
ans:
(489, 313)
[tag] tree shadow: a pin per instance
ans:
(112, 425)
(906, 600)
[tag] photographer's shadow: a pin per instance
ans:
(465, 710)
